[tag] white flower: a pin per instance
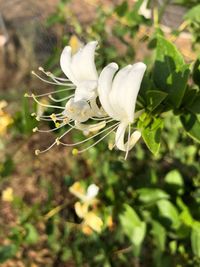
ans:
(85, 208)
(80, 106)
(80, 69)
(118, 98)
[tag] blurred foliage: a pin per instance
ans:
(149, 204)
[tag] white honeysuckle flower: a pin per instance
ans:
(118, 97)
(92, 191)
(84, 207)
(80, 69)
(85, 196)
(82, 79)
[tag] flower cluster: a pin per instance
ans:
(98, 104)
(85, 208)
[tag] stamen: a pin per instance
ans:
(46, 81)
(50, 130)
(81, 151)
(128, 143)
(45, 105)
(37, 152)
(51, 75)
(89, 138)
(61, 99)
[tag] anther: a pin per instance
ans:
(27, 95)
(37, 152)
(53, 117)
(57, 142)
(37, 118)
(33, 114)
(40, 68)
(75, 152)
(35, 129)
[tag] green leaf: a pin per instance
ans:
(147, 195)
(194, 107)
(168, 53)
(178, 86)
(195, 239)
(133, 227)
(168, 212)
(31, 234)
(196, 72)
(193, 14)
(152, 135)
(7, 252)
(174, 181)
(159, 234)
(155, 98)
(191, 125)
(122, 9)
(170, 71)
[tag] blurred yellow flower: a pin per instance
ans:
(91, 222)
(5, 118)
(7, 195)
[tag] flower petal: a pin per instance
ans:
(83, 65)
(118, 90)
(92, 220)
(65, 63)
(120, 136)
(132, 86)
(92, 191)
(105, 86)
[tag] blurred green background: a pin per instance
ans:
(148, 207)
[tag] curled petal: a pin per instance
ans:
(105, 86)
(82, 63)
(92, 191)
(132, 85)
(65, 63)
(120, 136)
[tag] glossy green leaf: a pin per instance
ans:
(194, 107)
(170, 71)
(174, 181)
(133, 227)
(147, 195)
(195, 239)
(168, 212)
(155, 98)
(196, 72)
(159, 234)
(191, 125)
(152, 135)
(193, 14)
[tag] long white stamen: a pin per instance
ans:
(61, 99)
(128, 143)
(46, 81)
(50, 130)
(100, 119)
(89, 138)
(47, 116)
(37, 152)
(51, 75)
(94, 144)
(46, 105)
